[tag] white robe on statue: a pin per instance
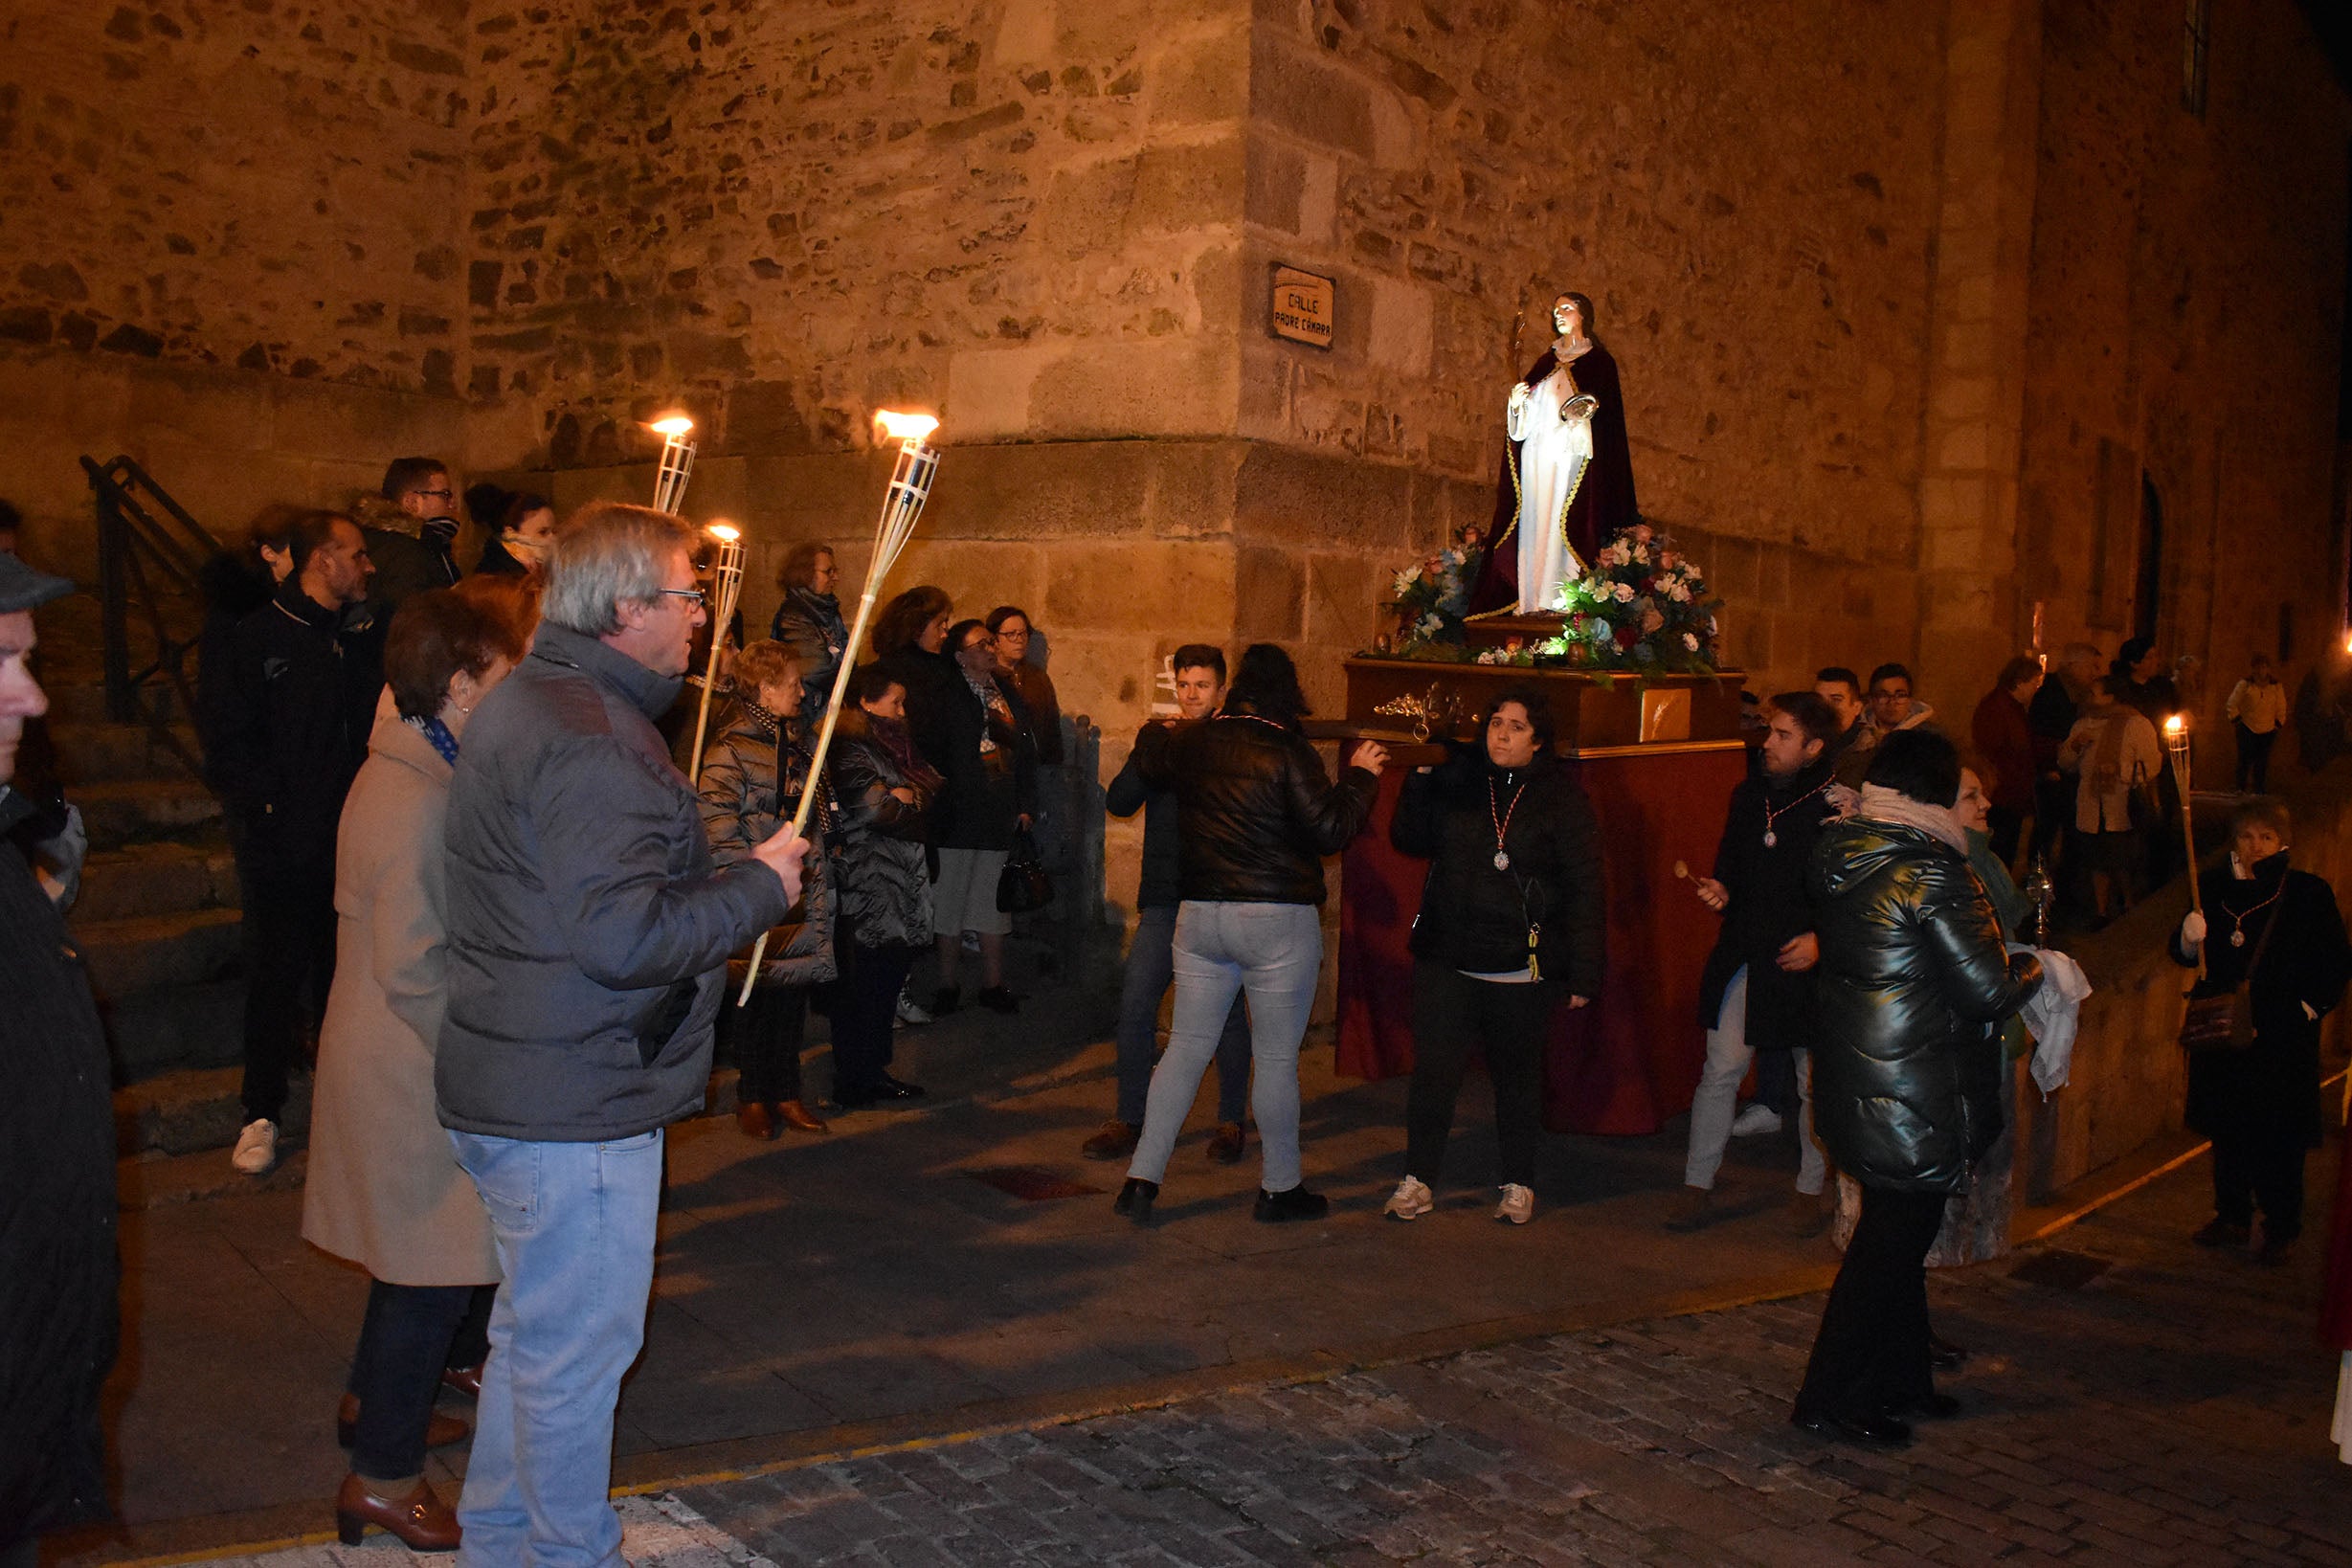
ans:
(1552, 457)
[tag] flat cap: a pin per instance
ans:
(21, 587)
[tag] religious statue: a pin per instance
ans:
(1567, 479)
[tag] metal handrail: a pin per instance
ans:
(140, 527)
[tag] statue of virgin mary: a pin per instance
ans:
(1567, 481)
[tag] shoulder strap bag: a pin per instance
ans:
(2227, 1023)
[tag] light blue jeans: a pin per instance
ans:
(575, 1228)
(1274, 953)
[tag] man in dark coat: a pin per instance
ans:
(1907, 1087)
(411, 523)
(1757, 991)
(57, 1264)
(287, 738)
(1604, 500)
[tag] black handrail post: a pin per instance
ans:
(113, 543)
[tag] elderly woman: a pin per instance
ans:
(883, 790)
(1031, 687)
(754, 771)
(809, 623)
(1510, 924)
(2277, 930)
(384, 1190)
(1906, 1091)
(990, 769)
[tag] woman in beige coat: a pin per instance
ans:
(384, 1188)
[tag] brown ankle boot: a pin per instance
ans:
(417, 1519)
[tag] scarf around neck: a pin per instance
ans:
(1880, 804)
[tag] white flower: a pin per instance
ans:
(1678, 592)
(1430, 624)
(1405, 580)
(1624, 592)
(1641, 553)
(1691, 642)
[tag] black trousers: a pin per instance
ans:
(2268, 1171)
(289, 944)
(1453, 1015)
(866, 1012)
(766, 1035)
(2254, 759)
(1871, 1352)
(405, 1341)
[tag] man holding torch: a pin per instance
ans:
(588, 935)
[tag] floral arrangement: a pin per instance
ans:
(1641, 607)
(1432, 597)
(1644, 605)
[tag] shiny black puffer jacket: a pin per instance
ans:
(1906, 1078)
(1255, 815)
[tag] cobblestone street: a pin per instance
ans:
(2131, 1399)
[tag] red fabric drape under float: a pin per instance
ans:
(1629, 1062)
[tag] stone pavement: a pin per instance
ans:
(819, 1293)
(2132, 1401)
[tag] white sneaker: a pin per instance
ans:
(1410, 1201)
(1757, 1118)
(1519, 1204)
(257, 1148)
(908, 1013)
(969, 942)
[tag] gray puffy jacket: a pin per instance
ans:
(743, 807)
(588, 930)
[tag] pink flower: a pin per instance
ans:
(1643, 532)
(1651, 620)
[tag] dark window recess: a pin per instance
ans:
(2196, 36)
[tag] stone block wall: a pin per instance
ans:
(2186, 323)
(1021, 216)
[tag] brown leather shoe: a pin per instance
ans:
(1227, 1143)
(800, 1118)
(440, 1432)
(466, 1380)
(419, 1521)
(756, 1121)
(1114, 1139)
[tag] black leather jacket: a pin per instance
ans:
(1255, 813)
(1906, 1075)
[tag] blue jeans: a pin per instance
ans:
(574, 1227)
(1274, 954)
(1151, 967)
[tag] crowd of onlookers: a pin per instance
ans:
(498, 848)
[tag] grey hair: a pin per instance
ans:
(609, 553)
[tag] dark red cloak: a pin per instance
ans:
(1604, 501)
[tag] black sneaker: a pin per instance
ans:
(1297, 1203)
(998, 999)
(1135, 1198)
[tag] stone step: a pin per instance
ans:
(91, 753)
(155, 879)
(120, 811)
(198, 1108)
(153, 1033)
(141, 954)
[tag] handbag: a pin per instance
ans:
(1023, 885)
(2226, 1022)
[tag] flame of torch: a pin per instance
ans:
(676, 460)
(902, 507)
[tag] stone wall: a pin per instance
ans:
(233, 249)
(2186, 322)
(1020, 213)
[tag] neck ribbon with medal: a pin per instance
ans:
(1500, 815)
(1772, 839)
